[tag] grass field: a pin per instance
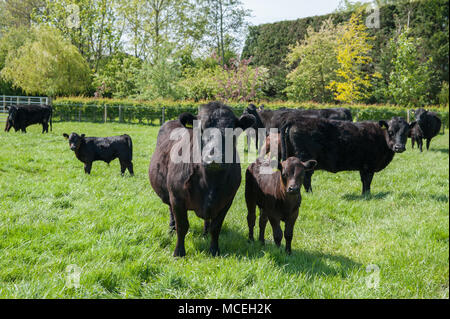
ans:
(115, 229)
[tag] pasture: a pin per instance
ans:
(115, 229)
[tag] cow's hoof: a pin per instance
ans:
(214, 252)
(179, 253)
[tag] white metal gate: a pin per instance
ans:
(9, 100)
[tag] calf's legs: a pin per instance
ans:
(87, 167)
(182, 227)
(366, 179)
(428, 143)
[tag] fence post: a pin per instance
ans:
(79, 113)
(4, 101)
(163, 115)
(120, 113)
(105, 113)
(407, 116)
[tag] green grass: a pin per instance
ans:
(116, 230)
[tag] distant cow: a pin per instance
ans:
(22, 116)
(367, 147)
(429, 123)
(266, 146)
(277, 195)
(205, 186)
(416, 135)
(106, 149)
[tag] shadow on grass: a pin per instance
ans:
(234, 244)
(371, 196)
(440, 198)
(441, 150)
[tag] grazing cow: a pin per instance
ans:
(276, 119)
(367, 147)
(22, 116)
(277, 195)
(106, 149)
(429, 123)
(416, 135)
(206, 186)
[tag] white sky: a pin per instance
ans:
(267, 11)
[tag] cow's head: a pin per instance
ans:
(396, 133)
(420, 114)
(292, 173)
(217, 121)
(75, 140)
(253, 110)
(11, 120)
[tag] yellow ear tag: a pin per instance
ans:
(188, 125)
(383, 127)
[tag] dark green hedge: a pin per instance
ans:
(269, 43)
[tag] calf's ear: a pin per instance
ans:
(246, 121)
(383, 124)
(309, 165)
(66, 136)
(187, 119)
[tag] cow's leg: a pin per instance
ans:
(44, 127)
(307, 181)
(123, 167)
(182, 227)
(251, 205)
(24, 129)
(277, 232)
(412, 141)
(172, 221)
(214, 230)
(366, 179)
(206, 225)
(289, 230)
(262, 225)
(420, 143)
(87, 167)
(130, 168)
(428, 143)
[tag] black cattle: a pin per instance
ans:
(106, 149)
(416, 135)
(205, 186)
(277, 195)
(22, 116)
(271, 119)
(367, 147)
(429, 123)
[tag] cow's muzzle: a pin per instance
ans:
(293, 190)
(399, 148)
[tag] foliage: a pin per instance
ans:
(48, 65)
(443, 95)
(409, 78)
(353, 55)
(316, 62)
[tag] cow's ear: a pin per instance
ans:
(187, 119)
(383, 124)
(82, 135)
(66, 136)
(411, 125)
(252, 106)
(246, 121)
(261, 107)
(309, 165)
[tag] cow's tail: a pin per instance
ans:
(284, 136)
(130, 145)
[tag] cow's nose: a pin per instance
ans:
(399, 148)
(293, 189)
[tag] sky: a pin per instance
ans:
(267, 11)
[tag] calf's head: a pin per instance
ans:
(396, 133)
(216, 122)
(292, 173)
(10, 121)
(75, 140)
(420, 114)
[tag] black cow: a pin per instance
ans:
(22, 116)
(367, 147)
(205, 186)
(277, 195)
(429, 123)
(106, 149)
(277, 118)
(416, 135)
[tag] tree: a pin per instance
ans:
(409, 79)
(354, 78)
(316, 62)
(226, 22)
(48, 65)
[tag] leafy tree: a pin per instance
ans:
(316, 62)
(409, 80)
(353, 56)
(48, 64)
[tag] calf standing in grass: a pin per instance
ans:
(416, 135)
(106, 149)
(277, 196)
(430, 124)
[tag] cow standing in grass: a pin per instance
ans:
(429, 123)
(367, 147)
(206, 186)
(277, 195)
(106, 149)
(22, 116)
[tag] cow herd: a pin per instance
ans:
(306, 140)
